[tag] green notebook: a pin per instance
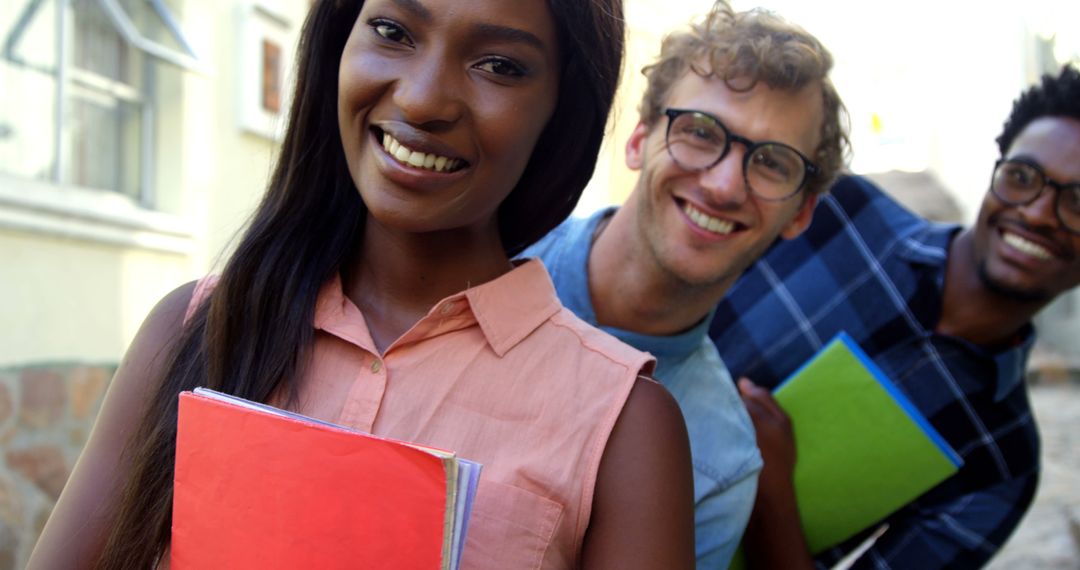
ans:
(863, 450)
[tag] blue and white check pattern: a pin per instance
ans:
(869, 267)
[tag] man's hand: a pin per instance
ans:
(774, 537)
(775, 437)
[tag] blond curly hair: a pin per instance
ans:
(743, 48)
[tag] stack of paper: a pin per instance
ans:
(260, 487)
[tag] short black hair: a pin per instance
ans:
(1054, 97)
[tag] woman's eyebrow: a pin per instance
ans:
(415, 8)
(489, 31)
(505, 33)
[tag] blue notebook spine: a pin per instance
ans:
(905, 404)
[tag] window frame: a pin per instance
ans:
(53, 206)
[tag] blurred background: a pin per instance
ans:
(137, 135)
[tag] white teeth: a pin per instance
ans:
(418, 159)
(707, 222)
(1030, 248)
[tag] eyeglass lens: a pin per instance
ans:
(772, 170)
(1020, 183)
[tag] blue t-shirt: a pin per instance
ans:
(725, 455)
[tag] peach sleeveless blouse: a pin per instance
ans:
(501, 374)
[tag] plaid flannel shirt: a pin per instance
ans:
(869, 267)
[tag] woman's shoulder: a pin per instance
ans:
(522, 310)
(199, 292)
(591, 340)
(136, 379)
(160, 330)
(168, 316)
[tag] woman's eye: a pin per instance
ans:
(501, 66)
(391, 31)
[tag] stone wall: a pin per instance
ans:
(46, 413)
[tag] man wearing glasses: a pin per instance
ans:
(734, 143)
(945, 312)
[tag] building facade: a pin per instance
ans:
(135, 136)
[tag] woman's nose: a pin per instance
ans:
(430, 92)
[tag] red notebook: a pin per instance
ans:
(258, 487)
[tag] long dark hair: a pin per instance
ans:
(254, 334)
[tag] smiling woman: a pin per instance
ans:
(472, 91)
(428, 141)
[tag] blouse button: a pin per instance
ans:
(376, 366)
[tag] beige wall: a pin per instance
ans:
(75, 286)
(67, 300)
(229, 176)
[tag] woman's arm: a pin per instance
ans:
(78, 526)
(643, 509)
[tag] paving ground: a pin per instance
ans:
(1049, 536)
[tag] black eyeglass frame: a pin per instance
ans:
(810, 170)
(1059, 187)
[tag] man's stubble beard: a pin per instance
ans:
(1011, 293)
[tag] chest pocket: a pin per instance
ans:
(509, 528)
